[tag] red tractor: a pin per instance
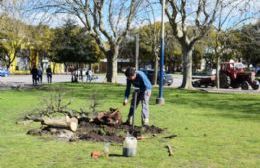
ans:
(235, 75)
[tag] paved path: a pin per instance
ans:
(26, 80)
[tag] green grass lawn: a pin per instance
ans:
(213, 130)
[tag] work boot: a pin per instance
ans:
(129, 121)
(145, 122)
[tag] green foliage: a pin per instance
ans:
(149, 46)
(67, 44)
(40, 37)
(12, 36)
(150, 40)
(249, 41)
(72, 44)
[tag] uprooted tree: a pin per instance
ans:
(56, 112)
(58, 119)
(107, 21)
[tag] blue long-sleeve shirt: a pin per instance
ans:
(141, 81)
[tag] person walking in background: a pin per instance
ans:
(49, 74)
(89, 75)
(34, 73)
(40, 75)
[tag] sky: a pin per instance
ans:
(59, 19)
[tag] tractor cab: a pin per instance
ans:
(233, 69)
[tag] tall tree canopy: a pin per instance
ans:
(71, 44)
(12, 37)
(249, 40)
(107, 21)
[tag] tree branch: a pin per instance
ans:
(110, 18)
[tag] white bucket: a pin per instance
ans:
(129, 146)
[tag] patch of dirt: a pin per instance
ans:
(95, 131)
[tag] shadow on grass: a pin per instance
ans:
(236, 106)
(115, 155)
(85, 90)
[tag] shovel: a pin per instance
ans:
(136, 90)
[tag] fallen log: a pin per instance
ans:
(67, 122)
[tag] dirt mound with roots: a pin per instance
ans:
(105, 127)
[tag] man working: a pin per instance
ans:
(139, 80)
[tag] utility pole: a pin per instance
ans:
(160, 100)
(136, 51)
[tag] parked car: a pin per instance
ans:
(204, 78)
(257, 73)
(167, 78)
(4, 72)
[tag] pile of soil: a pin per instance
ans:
(97, 131)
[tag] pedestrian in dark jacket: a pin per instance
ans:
(34, 73)
(49, 74)
(40, 75)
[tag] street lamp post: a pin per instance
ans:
(136, 51)
(160, 100)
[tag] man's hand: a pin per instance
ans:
(125, 102)
(148, 93)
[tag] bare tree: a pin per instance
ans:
(108, 21)
(199, 15)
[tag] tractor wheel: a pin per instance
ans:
(224, 81)
(245, 85)
(235, 85)
(255, 85)
(196, 84)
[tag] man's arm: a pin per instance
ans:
(127, 90)
(146, 82)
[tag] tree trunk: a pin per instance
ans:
(217, 72)
(173, 65)
(9, 61)
(155, 74)
(187, 68)
(112, 64)
(8, 65)
(54, 66)
(217, 54)
(71, 123)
